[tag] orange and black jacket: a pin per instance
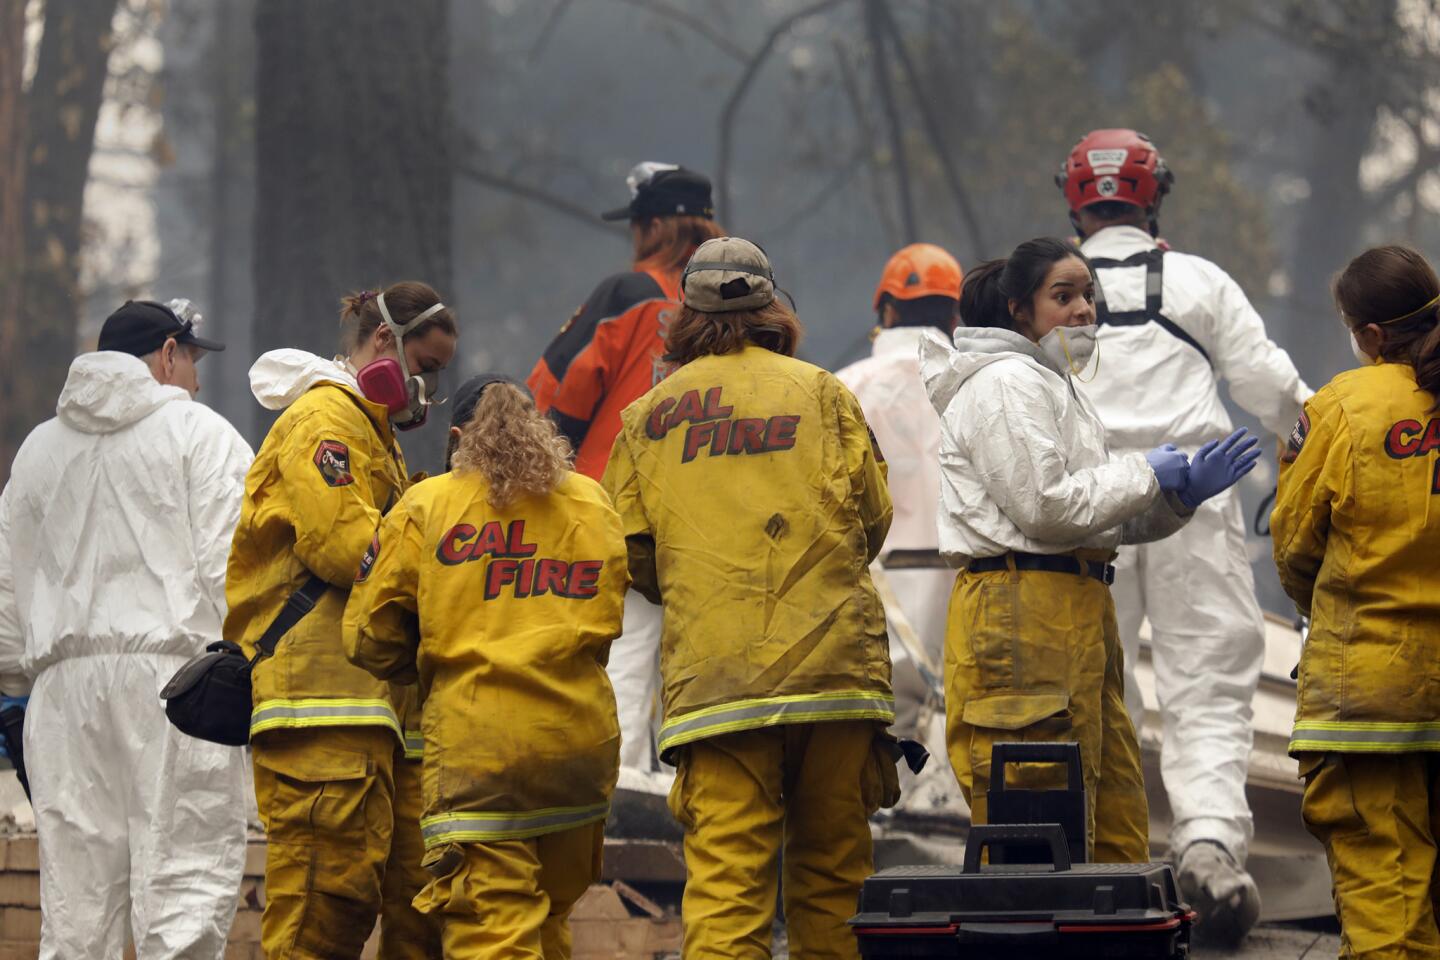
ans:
(609, 354)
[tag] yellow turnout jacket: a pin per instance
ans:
(506, 616)
(1357, 540)
(753, 500)
(326, 472)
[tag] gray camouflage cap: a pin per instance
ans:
(728, 274)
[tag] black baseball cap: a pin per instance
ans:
(141, 327)
(462, 406)
(662, 190)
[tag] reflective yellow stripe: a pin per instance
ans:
(770, 711)
(1358, 736)
(414, 745)
(480, 826)
(323, 712)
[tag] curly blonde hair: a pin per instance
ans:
(514, 445)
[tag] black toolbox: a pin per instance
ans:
(1089, 910)
(1033, 899)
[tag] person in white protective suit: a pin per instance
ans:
(919, 289)
(1171, 327)
(1033, 506)
(114, 531)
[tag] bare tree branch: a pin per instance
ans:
(1427, 159)
(534, 194)
(932, 131)
(732, 103)
(697, 24)
(818, 199)
(867, 138)
(874, 20)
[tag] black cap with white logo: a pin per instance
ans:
(141, 327)
(665, 190)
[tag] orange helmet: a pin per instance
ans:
(920, 270)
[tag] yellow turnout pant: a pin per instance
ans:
(1036, 656)
(511, 899)
(1378, 816)
(341, 840)
(804, 790)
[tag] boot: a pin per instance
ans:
(1218, 889)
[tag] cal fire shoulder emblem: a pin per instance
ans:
(1297, 439)
(332, 459)
(368, 561)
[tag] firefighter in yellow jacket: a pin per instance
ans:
(1357, 537)
(502, 585)
(753, 501)
(339, 799)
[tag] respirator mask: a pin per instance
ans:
(1072, 347)
(388, 380)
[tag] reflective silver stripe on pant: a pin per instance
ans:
(320, 713)
(477, 827)
(414, 745)
(749, 714)
(1365, 737)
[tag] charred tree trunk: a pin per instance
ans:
(12, 193)
(353, 162)
(60, 114)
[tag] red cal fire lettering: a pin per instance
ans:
(1396, 443)
(669, 413)
(493, 540)
(1411, 438)
(455, 545)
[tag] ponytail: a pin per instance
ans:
(513, 445)
(1425, 355)
(981, 302)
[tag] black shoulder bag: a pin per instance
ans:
(209, 698)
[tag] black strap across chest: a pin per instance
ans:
(1154, 263)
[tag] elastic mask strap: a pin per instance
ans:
(1070, 361)
(428, 314)
(1413, 314)
(397, 331)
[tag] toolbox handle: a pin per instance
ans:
(999, 834)
(1066, 753)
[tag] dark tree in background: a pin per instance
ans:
(52, 128)
(353, 159)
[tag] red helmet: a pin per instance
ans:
(919, 270)
(1115, 165)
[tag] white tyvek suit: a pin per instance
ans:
(1207, 631)
(1024, 464)
(890, 391)
(114, 530)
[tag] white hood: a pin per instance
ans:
(1023, 459)
(944, 368)
(107, 391)
(281, 377)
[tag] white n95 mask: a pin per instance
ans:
(1072, 347)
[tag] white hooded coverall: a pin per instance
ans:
(1155, 385)
(114, 531)
(907, 428)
